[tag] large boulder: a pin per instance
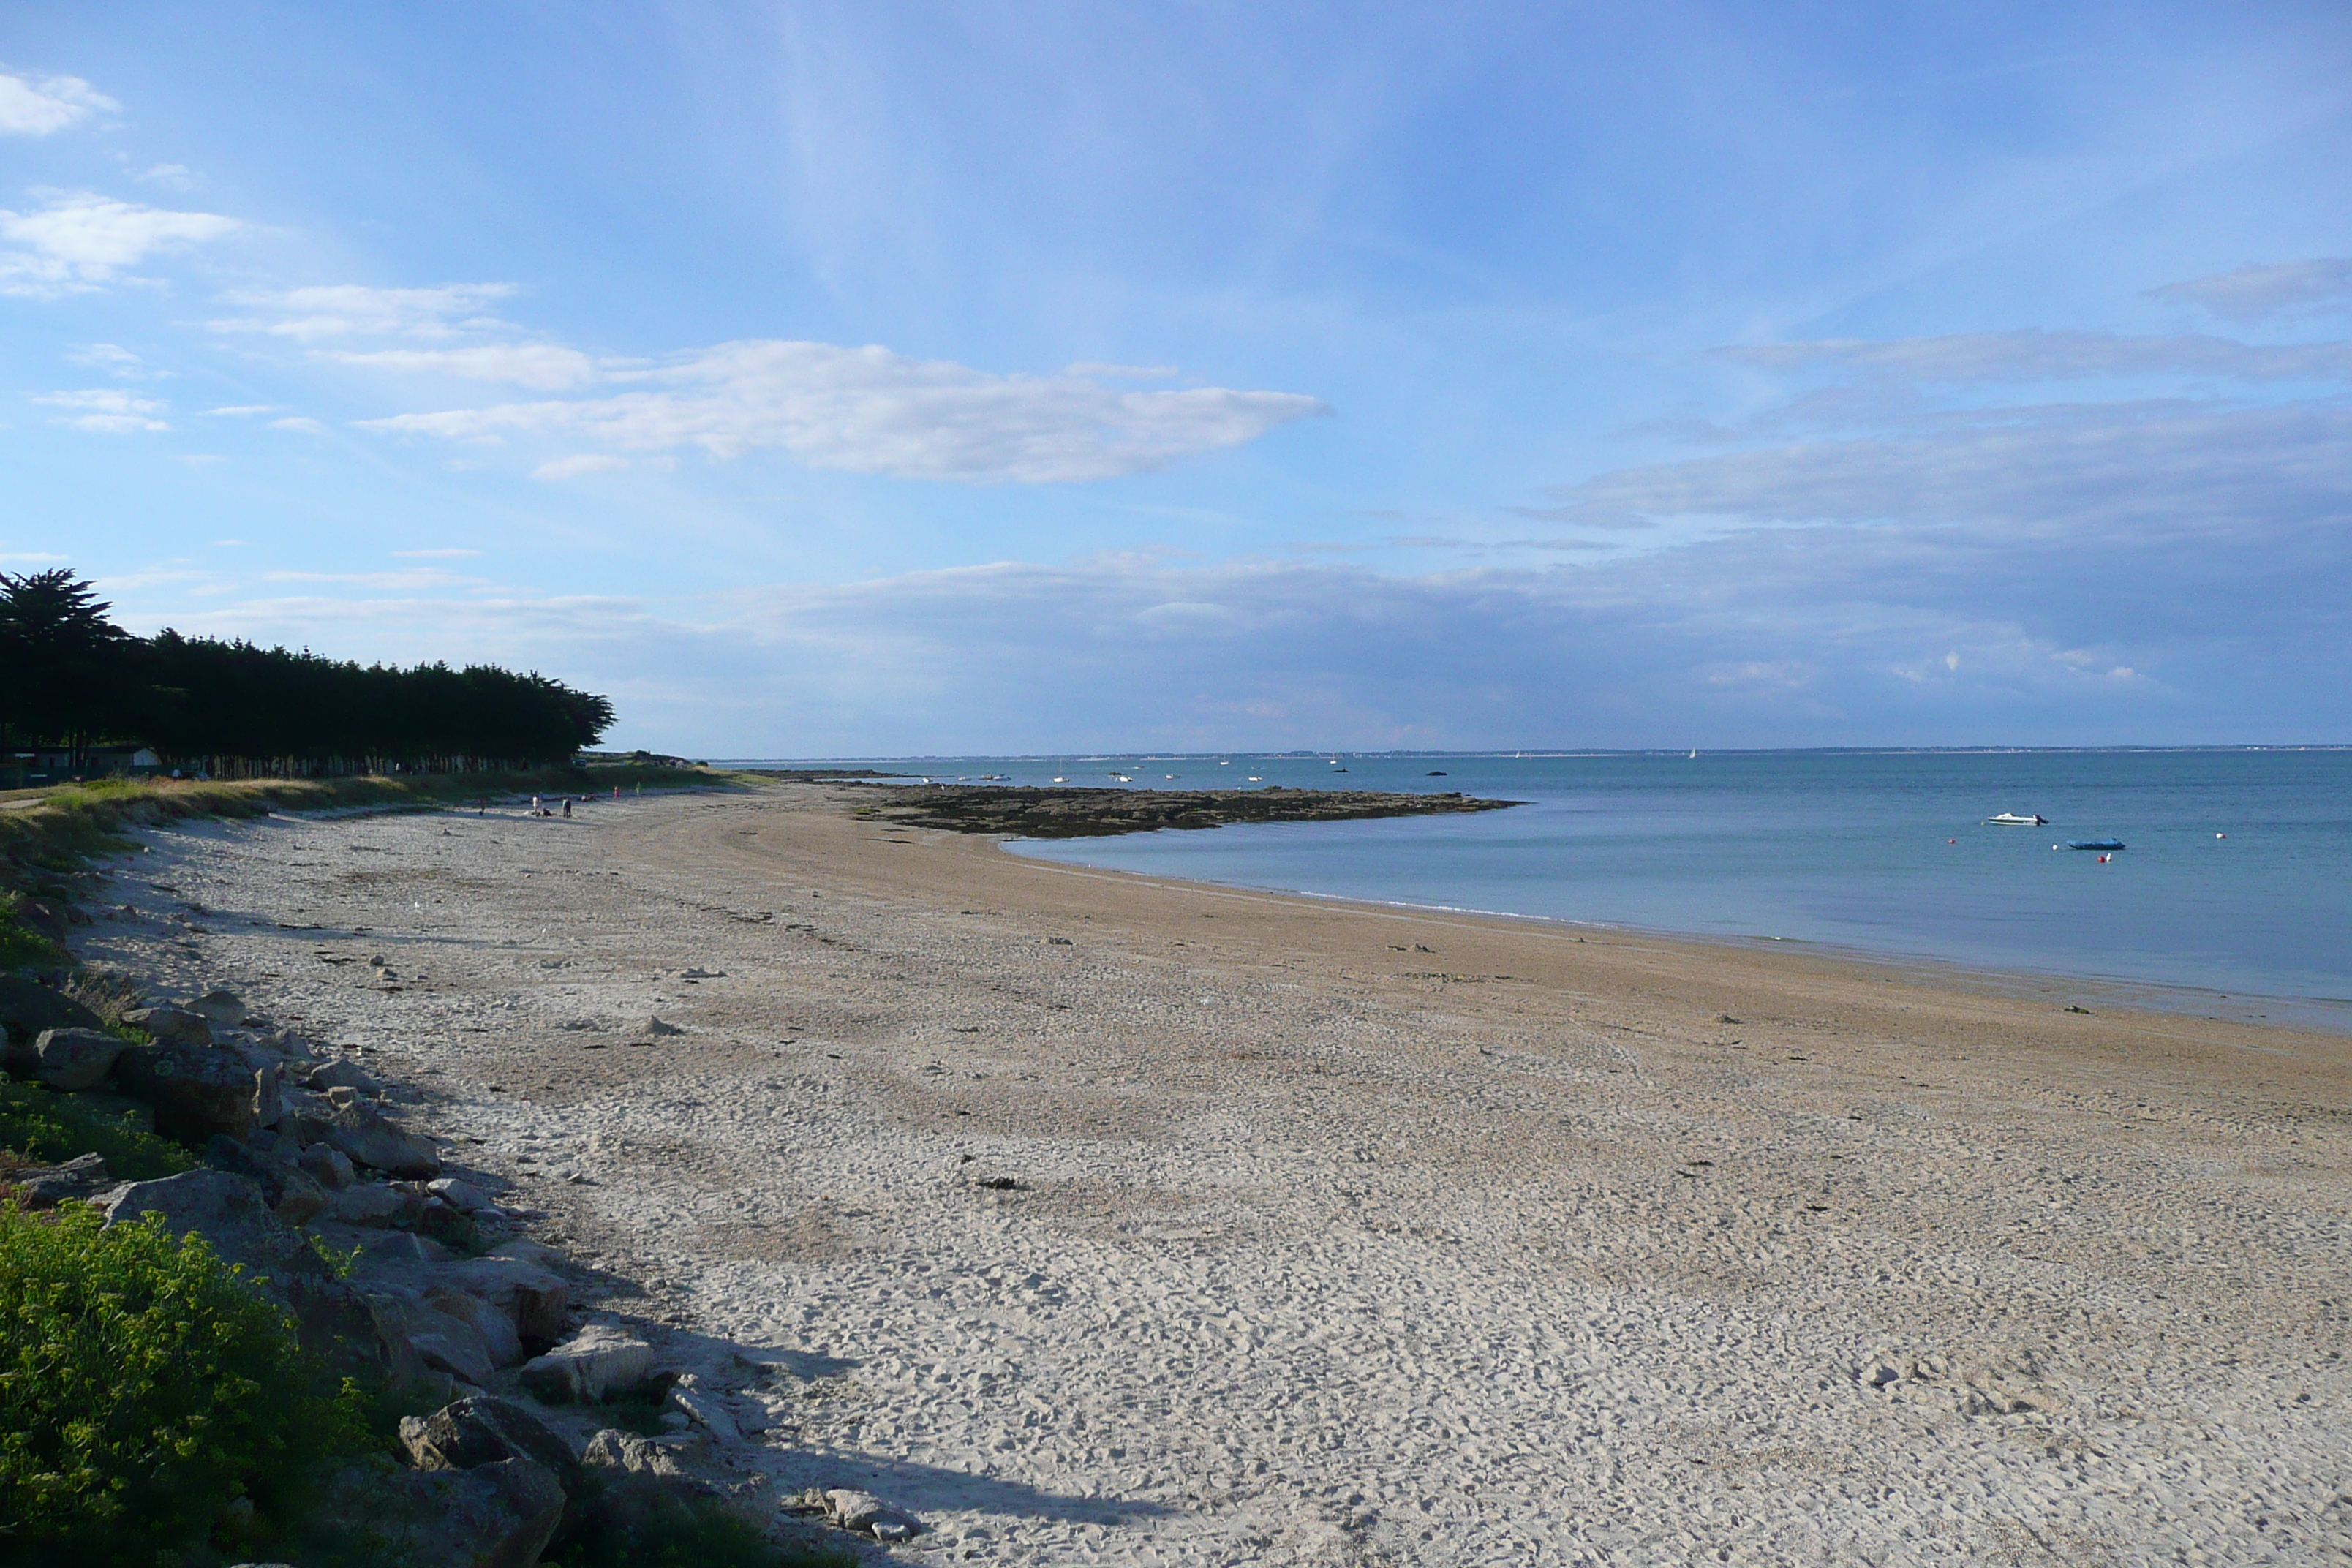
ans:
(44, 1187)
(484, 1430)
(292, 1195)
(440, 1341)
(611, 1449)
(231, 1213)
(598, 1362)
(539, 1303)
(71, 1060)
(499, 1515)
(27, 1007)
(175, 1024)
(222, 1008)
(360, 1131)
(494, 1328)
(341, 1075)
(196, 1091)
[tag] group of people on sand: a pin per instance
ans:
(540, 806)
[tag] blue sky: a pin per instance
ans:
(840, 380)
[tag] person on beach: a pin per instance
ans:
(567, 808)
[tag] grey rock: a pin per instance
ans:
(617, 1450)
(484, 1430)
(341, 1075)
(535, 1300)
(219, 1006)
(44, 1186)
(463, 1197)
(292, 1195)
(499, 1515)
(228, 1211)
(368, 1203)
(654, 1027)
(868, 1515)
(72, 1061)
(27, 1007)
(360, 1131)
(492, 1327)
(327, 1165)
(171, 1023)
(596, 1362)
(701, 1407)
(196, 1091)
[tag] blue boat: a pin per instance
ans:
(2095, 844)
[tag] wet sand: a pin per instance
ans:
(1108, 1219)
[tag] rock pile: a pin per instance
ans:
(390, 1269)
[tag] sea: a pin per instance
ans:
(2232, 897)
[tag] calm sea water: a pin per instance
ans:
(2236, 880)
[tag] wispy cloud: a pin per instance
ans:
(451, 554)
(111, 357)
(543, 367)
(2256, 293)
(302, 425)
(29, 108)
(347, 310)
(240, 410)
(573, 467)
(2045, 356)
(1100, 371)
(869, 410)
(107, 410)
(79, 240)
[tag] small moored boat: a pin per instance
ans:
(2015, 819)
(2095, 844)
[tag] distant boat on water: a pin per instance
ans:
(2015, 819)
(2109, 844)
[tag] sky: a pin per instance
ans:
(855, 380)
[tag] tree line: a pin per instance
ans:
(71, 680)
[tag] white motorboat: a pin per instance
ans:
(2015, 819)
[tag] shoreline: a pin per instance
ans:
(2326, 1014)
(1092, 1216)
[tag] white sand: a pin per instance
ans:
(1512, 1250)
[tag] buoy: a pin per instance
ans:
(2103, 859)
(2221, 836)
(1951, 841)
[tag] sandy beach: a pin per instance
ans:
(1098, 1219)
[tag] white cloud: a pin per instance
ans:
(109, 357)
(431, 554)
(1101, 371)
(31, 557)
(81, 241)
(242, 410)
(37, 108)
(869, 410)
(2252, 293)
(176, 177)
(299, 424)
(2029, 356)
(573, 467)
(347, 310)
(105, 410)
(543, 367)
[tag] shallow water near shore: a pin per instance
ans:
(2235, 893)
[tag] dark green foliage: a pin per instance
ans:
(69, 676)
(144, 1386)
(59, 655)
(41, 1128)
(680, 1532)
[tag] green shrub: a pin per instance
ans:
(20, 945)
(144, 1386)
(42, 1128)
(699, 1532)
